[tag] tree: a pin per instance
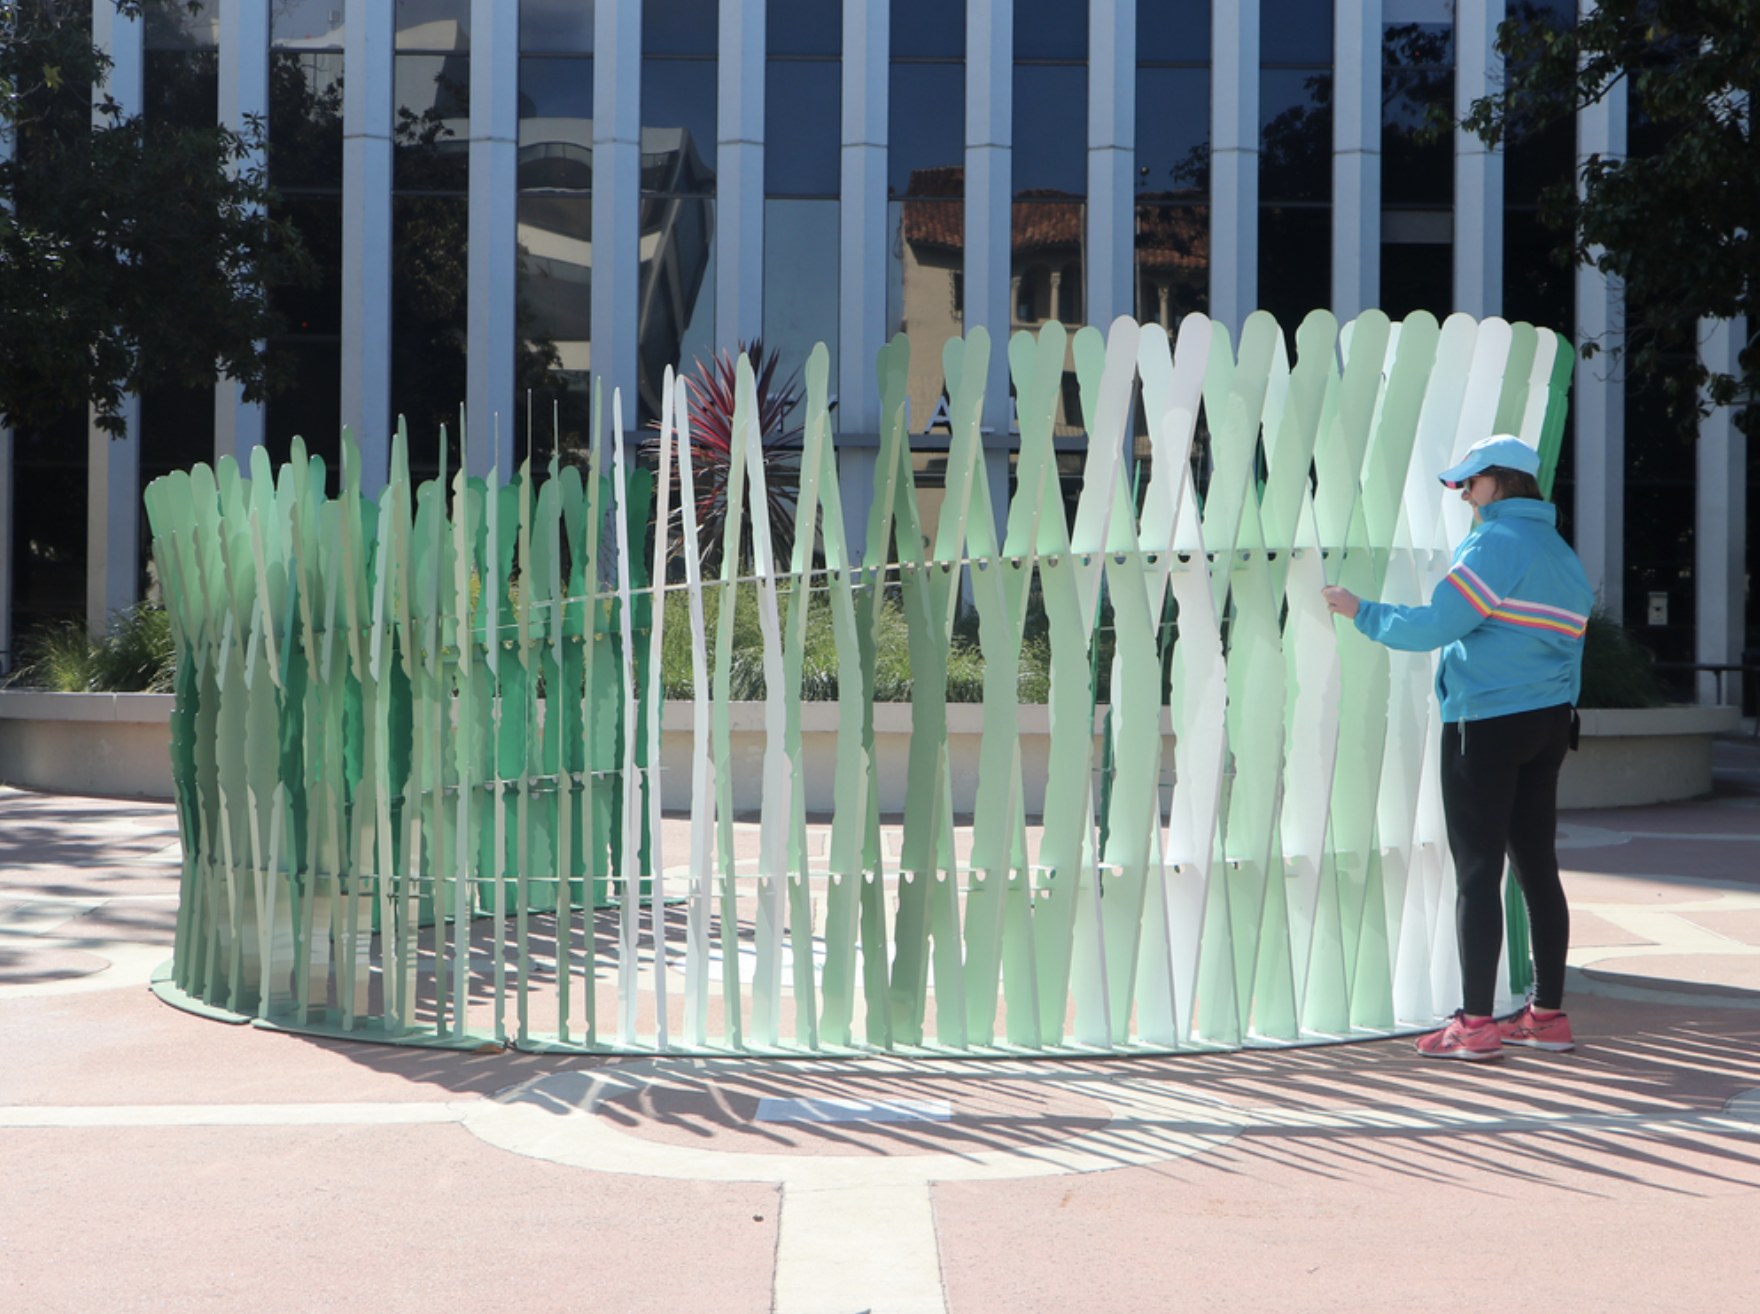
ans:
(132, 253)
(1675, 221)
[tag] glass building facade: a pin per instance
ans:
(507, 201)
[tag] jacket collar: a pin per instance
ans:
(1519, 508)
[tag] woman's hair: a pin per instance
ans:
(1514, 483)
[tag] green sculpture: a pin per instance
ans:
(417, 738)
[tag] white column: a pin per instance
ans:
(113, 503)
(989, 215)
(1478, 170)
(1720, 536)
(1356, 158)
(494, 185)
(617, 185)
(739, 177)
(1112, 160)
(7, 656)
(244, 93)
(1598, 391)
(1234, 163)
(368, 52)
(861, 263)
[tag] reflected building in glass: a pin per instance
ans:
(510, 200)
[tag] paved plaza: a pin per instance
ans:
(155, 1160)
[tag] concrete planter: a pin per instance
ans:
(1635, 755)
(118, 745)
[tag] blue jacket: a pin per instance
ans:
(1509, 617)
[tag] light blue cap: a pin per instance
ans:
(1501, 449)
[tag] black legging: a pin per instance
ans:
(1500, 795)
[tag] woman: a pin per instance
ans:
(1509, 618)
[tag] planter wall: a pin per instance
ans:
(116, 745)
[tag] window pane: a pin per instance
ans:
(1173, 262)
(305, 119)
(1295, 117)
(1173, 131)
(318, 308)
(177, 431)
(1051, 29)
(1295, 32)
(1046, 274)
(1417, 163)
(431, 133)
(309, 407)
(182, 87)
(48, 548)
(1295, 263)
(434, 24)
(926, 128)
(1417, 277)
(925, 291)
(556, 25)
(1051, 113)
(677, 293)
(1537, 288)
(315, 24)
(428, 324)
(678, 125)
(803, 139)
(1173, 31)
(556, 123)
(803, 27)
(801, 240)
(928, 29)
(175, 27)
(554, 319)
(680, 27)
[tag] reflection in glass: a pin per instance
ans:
(181, 87)
(48, 547)
(431, 131)
(553, 307)
(800, 281)
(1046, 277)
(926, 128)
(305, 119)
(928, 29)
(308, 407)
(428, 308)
(1172, 262)
(1417, 100)
(316, 308)
(1417, 276)
(1295, 117)
(1173, 131)
(803, 146)
(1051, 29)
(556, 26)
(179, 27)
(926, 291)
(434, 24)
(681, 27)
(676, 292)
(1538, 286)
(556, 123)
(1295, 262)
(678, 125)
(803, 27)
(1295, 32)
(314, 24)
(1173, 32)
(1051, 116)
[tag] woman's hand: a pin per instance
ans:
(1340, 602)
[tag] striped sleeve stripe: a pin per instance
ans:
(1542, 609)
(1485, 603)
(1540, 623)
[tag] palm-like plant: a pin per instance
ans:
(711, 395)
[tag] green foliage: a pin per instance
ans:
(1618, 671)
(136, 656)
(108, 233)
(819, 675)
(1674, 220)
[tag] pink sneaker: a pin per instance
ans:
(1550, 1033)
(1461, 1039)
